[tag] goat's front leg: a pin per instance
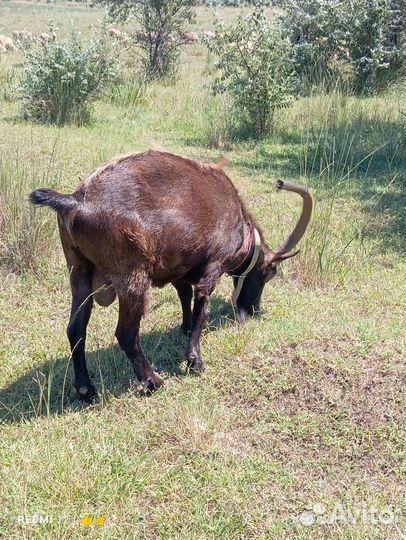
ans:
(203, 291)
(131, 309)
(185, 293)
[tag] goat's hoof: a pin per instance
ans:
(195, 366)
(86, 393)
(153, 382)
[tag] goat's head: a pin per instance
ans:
(249, 297)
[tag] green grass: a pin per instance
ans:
(300, 406)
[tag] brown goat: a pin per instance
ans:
(152, 219)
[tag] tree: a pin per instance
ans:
(162, 25)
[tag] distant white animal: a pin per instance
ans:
(46, 38)
(7, 44)
(146, 36)
(153, 37)
(117, 34)
(190, 37)
(23, 35)
(208, 34)
(141, 36)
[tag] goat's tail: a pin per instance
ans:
(57, 201)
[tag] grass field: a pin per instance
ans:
(296, 429)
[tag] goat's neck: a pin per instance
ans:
(243, 253)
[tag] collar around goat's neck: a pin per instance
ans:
(255, 241)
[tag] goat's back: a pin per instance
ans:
(167, 209)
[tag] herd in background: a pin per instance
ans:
(261, 63)
(186, 37)
(7, 44)
(10, 45)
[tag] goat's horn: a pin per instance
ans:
(303, 222)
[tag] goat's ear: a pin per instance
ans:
(279, 257)
(269, 260)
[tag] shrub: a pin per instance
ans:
(317, 33)
(61, 78)
(326, 34)
(254, 67)
(375, 43)
(162, 24)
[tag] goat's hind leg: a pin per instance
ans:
(82, 304)
(185, 293)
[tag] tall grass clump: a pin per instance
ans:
(26, 236)
(8, 83)
(62, 78)
(351, 154)
(220, 126)
(128, 93)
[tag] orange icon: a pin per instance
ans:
(87, 521)
(100, 521)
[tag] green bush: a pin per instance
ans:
(62, 77)
(376, 43)
(253, 60)
(328, 37)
